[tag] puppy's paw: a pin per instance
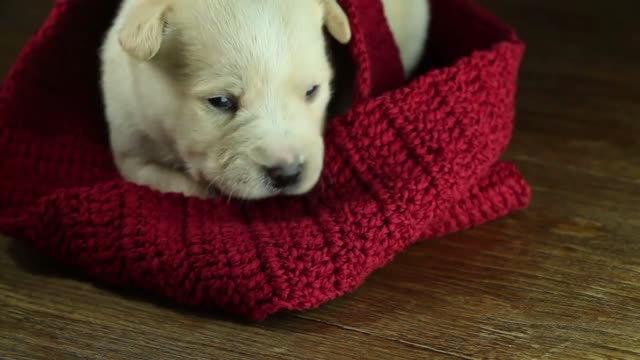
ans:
(182, 184)
(161, 178)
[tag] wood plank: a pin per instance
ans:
(543, 281)
(49, 314)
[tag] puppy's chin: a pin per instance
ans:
(245, 192)
(252, 186)
(258, 190)
(237, 176)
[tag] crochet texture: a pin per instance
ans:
(411, 160)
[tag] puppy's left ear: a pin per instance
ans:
(142, 31)
(336, 21)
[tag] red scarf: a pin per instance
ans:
(410, 161)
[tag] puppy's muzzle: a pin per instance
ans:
(283, 167)
(285, 175)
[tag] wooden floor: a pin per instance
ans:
(558, 281)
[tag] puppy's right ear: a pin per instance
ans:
(336, 21)
(141, 34)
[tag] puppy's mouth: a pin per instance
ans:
(255, 183)
(234, 188)
(263, 188)
(241, 186)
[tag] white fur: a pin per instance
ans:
(409, 21)
(162, 60)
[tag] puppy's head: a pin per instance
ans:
(252, 81)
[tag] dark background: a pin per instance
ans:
(560, 280)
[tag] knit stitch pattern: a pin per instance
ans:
(411, 160)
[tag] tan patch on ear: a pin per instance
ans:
(336, 21)
(141, 35)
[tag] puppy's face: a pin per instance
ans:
(252, 79)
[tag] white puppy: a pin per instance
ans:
(229, 94)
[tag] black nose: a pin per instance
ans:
(284, 176)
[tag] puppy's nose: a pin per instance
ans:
(285, 175)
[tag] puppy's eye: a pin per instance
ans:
(223, 103)
(312, 91)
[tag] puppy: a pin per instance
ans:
(230, 96)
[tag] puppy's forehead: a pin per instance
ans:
(240, 24)
(269, 38)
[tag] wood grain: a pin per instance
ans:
(560, 280)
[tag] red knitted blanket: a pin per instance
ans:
(411, 160)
